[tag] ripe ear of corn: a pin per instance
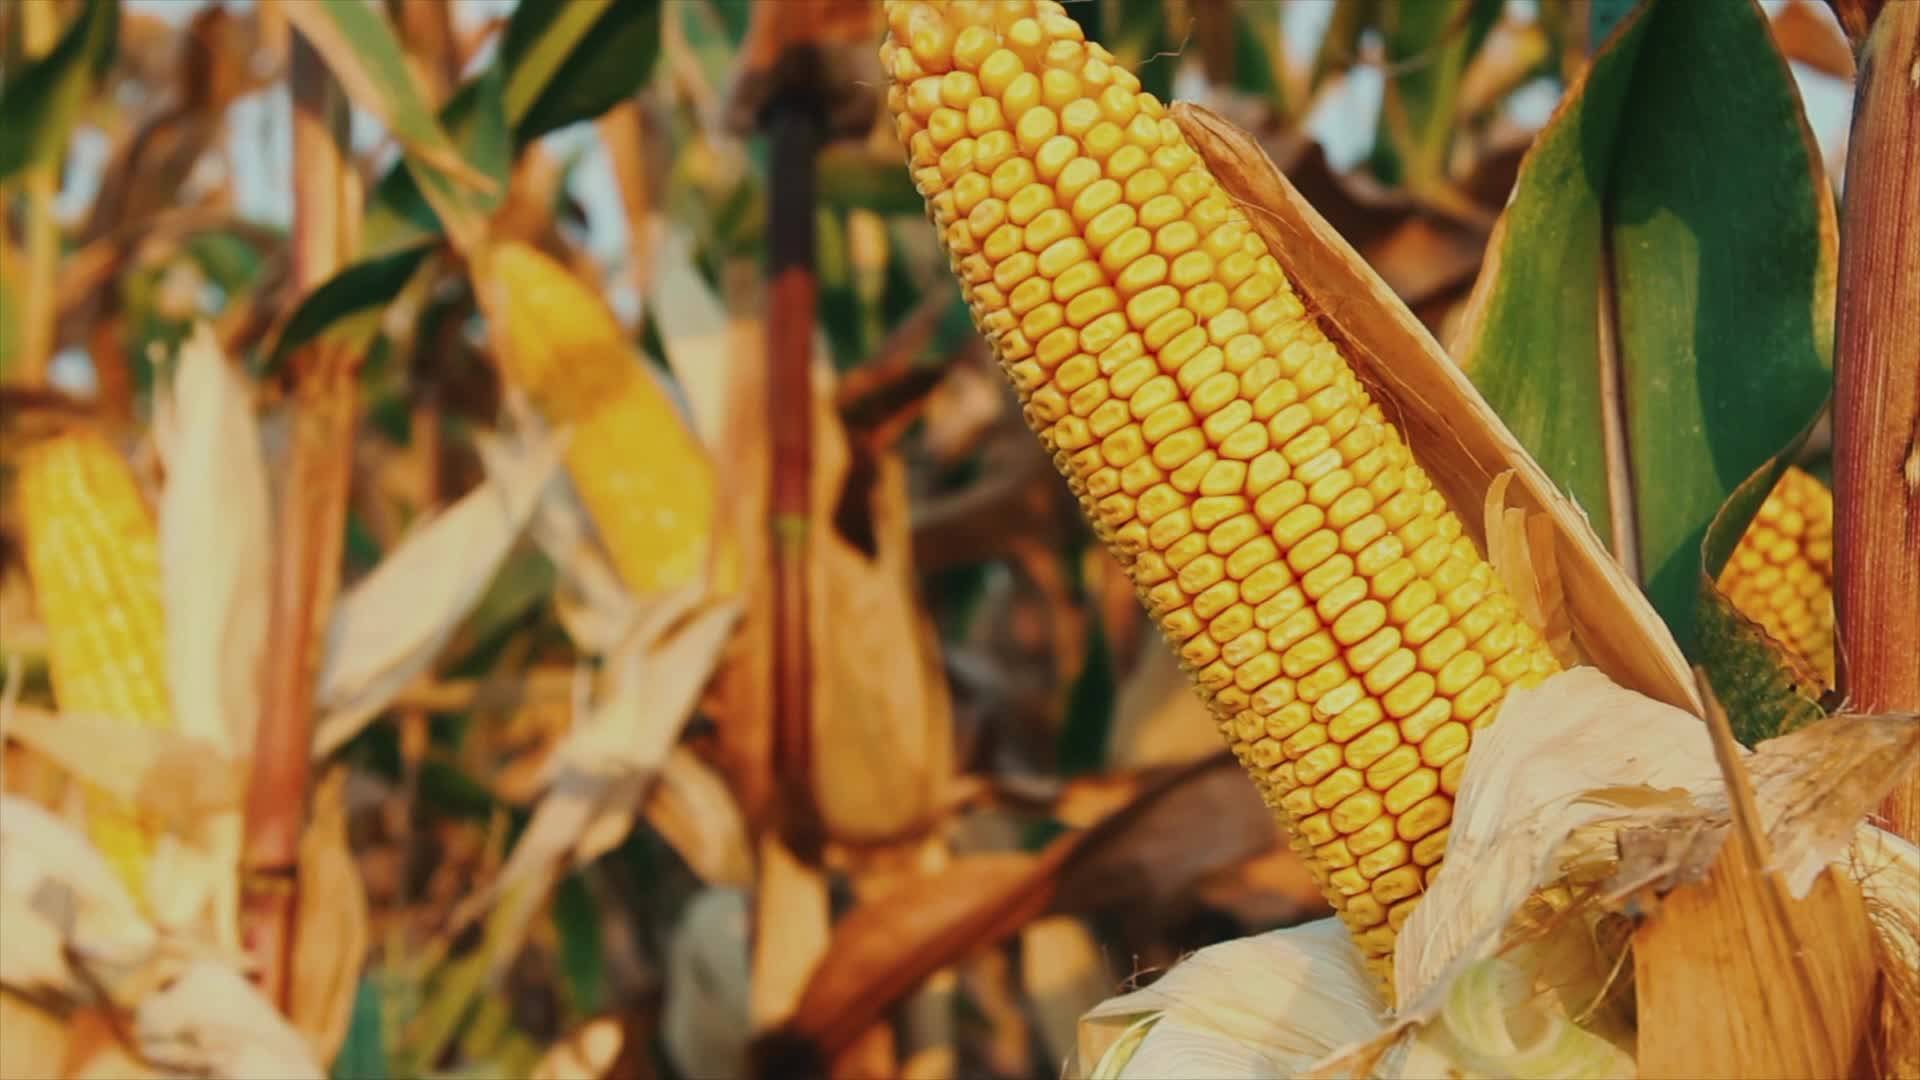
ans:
(1781, 573)
(1327, 603)
(639, 470)
(93, 558)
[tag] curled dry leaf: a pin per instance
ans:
(1815, 785)
(692, 809)
(391, 626)
(1063, 974)
(1268, 1005)
(588, 1053)
(882, 733)
(63, 905)
(597, 779)
(1520, 549)
(215, 525)
(211, 1021)
(1158, 719)
(214, 534)
(330, 936)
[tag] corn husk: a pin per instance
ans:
(1488, 986)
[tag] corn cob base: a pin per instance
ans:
(1781, 574)
(1327, 604)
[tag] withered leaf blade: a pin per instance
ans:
(331, 933)
(391, 626)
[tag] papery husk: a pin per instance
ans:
(1452, 431)
(1520, 967)
(882, 732)
(391, 626)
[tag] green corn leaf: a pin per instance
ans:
(1686, 309)
(39, 106)
(363, 52)
(349, 303)
(570, 60)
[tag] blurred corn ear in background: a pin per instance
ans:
(1781, 574)
(92, 554)
(640, 471)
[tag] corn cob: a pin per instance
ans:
(92, 556)
(1330, 609)
(1781, 573)
(641, 474)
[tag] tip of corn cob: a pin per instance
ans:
(641, 473)
(1342, 627)
(1781, 572)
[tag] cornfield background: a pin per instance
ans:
(705, 670)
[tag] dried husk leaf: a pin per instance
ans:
(331, 933)
(1576, 750)
(589, 1053)
(1064, 974)
(214, 525)
(215, 522)
(1158, 718)
(391, 626)
(36, 1042)
(792, 928)
(882, 733)
(596, 780)
(60, 894)
(1488, 983)
(212, 1022)
(175, 780)
(691, 807)
(1452, 431)
(1268, 1005)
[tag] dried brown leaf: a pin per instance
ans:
(692, 809)
(883, 948)
(1714, 968)
(588, 1053)
(791, 928)
(1063, 974)
(35, 1046)
(1794, 978)
(391, 626)
(332, 927)
(1158, 719)
(882, 732)
(173, 779)
(1809, 33)
(1815, 786)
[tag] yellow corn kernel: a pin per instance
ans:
(1347, 637)
(1781, 573)
(92, 554)
(642, 476)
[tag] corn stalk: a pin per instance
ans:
(1876, 421)
(312, 524)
